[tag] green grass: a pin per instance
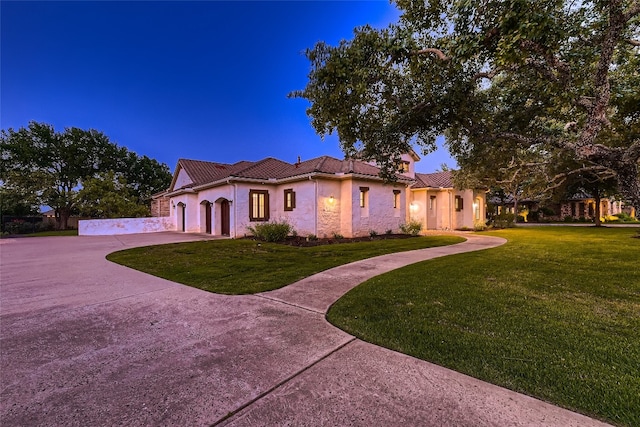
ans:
(245, 266)
(554, 313)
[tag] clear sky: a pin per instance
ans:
(203, 80)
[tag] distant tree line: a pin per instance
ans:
(75, 171)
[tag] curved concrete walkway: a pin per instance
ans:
(87, 342)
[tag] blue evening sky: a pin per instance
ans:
(204, 80)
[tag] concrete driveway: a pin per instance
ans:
(86, 342)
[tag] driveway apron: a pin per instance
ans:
(87, 342)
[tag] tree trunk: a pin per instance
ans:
(63, 217)
(515, 210)
(598, 200)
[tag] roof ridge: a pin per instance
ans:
(320, 163)
(250, 166)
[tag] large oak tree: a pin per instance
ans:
(517, 86)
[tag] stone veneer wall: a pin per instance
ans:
(160, 207)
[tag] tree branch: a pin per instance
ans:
(597, 118)
(526, 140)
(634, 9)
(487, 74)
(561, 68)
(433, 50)
(633, 42)
(586, 102)
(492, 73)
(632, 154)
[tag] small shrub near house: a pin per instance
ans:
(274, 231)
(479, 226)
(412, 227)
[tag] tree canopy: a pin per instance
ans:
(516, 86)
(109, 196)
(52, 166)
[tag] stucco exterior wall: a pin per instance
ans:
(108, 227)
(326, 207)
(214, 196)
(182, 179)
(191, 211)
(378, 214)
(464, 217)
(303, 216)
(441, 214)
(330, 208)
(417, 204)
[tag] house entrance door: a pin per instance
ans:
(180, 211)
(207, 217)
(224, 218)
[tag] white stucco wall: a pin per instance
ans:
(182, 179)
(303, 217)
(378, 214)
(444, 216)
(191, 211)
(325, 207)
(214, 196)
(330, 208)
(107, 227)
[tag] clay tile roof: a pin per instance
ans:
(434, 180)
(331, 165)
(202, 172)
(264, 169)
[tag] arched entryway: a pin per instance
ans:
(206, 219)
(181, 217)
(223, 217)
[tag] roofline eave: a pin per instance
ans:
(277, 181)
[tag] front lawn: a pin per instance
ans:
(246, 266)
(554, 313)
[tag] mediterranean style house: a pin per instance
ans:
(322, 197)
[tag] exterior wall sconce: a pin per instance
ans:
(331, 199)
(413, 207)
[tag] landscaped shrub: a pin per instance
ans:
(622, 217)
(412, 227)
(479, 226)
(568, 218)
(26, 225)
(271, 231)
(547, 211)
(338, 236)
(373, 233)
(504, 220)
